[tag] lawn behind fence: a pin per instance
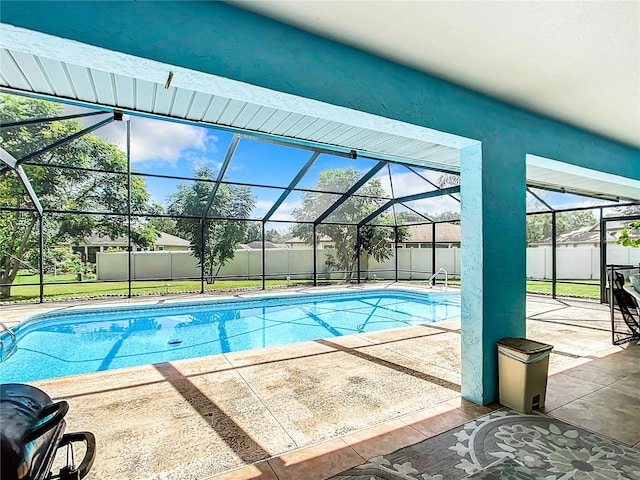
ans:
(26, 287)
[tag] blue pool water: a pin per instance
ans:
(89, 340)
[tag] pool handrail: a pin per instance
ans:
(14, 343)
(446, 277)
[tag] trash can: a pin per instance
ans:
(522, 373)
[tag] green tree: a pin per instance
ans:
(630, 236)
(57, 188)
(144, 235)
(220, 236)
(275, 236)
(254, 232)
(162, 224)
(539, 226)
(374, 239)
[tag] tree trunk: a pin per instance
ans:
(5, 292)
(11, 267)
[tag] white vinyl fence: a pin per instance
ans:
(577, 263)
(574, 263)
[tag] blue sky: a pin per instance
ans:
(170, 148)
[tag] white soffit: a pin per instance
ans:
(37, 63)
(545, 172)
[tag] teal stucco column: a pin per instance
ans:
(493, 217)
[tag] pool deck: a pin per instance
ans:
(307, 410)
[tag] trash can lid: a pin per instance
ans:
(524, 345)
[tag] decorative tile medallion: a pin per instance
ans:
(506, 445)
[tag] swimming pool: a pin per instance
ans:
(80, 341)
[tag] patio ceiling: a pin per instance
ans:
(575, 61)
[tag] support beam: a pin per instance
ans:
(603, 259)
(291, 186)
(554, 253)
(428, 220)
(354, 188)
(8, 159)
(408, 198)
(129, 209)
(537, 197)
(202, 243)
(51, 119)
(429, 181)
(223, 169)
(315, 256)
(65, 140)
(41, 261)
(13, 164)
(264, 258)
(395, 241)
(433, 249)
(358, 249)
(582, 193)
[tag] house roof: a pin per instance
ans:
(162, 239)
(258, 245)
(590, 234)
(445, 233)
(321, 238)
(169, 240)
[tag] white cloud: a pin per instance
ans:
(285, 211)
(164, 141)
(261, 207)
(158, 140)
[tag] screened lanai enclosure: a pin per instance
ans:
(95, 202)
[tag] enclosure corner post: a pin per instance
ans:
(433, 248)
(129, 209)
(202, 242)
(603, 259)
(358, 243)
(395, 235)
(315, 257)
(264, 259)
(41, 241)
(554, 253)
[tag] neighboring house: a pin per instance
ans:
(97, 243)
(588, 236)
(257, 245)
(324, 243)
(447, 236)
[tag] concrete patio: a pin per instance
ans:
(312, 409)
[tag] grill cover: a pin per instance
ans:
(30, 426)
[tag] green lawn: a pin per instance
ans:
(588, 289)
(585, 290)
(26, 287)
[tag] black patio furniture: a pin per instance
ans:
(32, 429)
